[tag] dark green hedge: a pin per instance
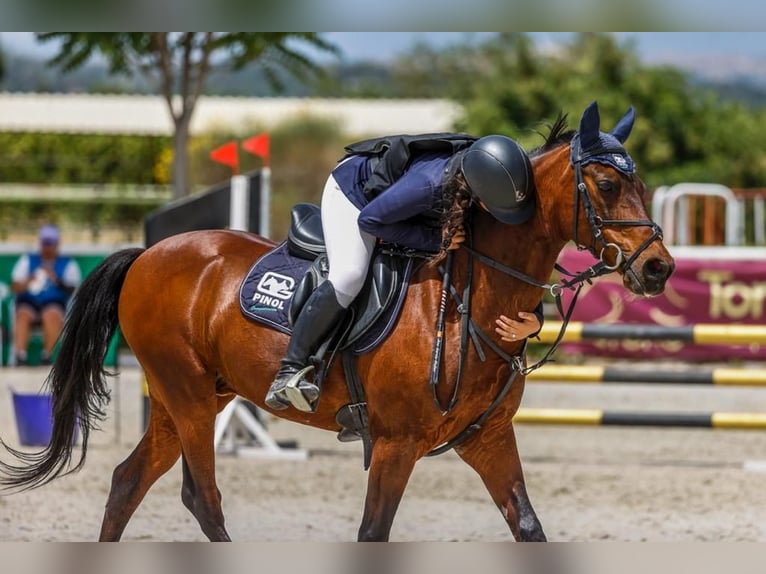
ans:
(81, 158)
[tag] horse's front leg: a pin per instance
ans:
(390, 469)
(493, 454)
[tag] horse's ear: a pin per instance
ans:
(622, 130)
(589, 126)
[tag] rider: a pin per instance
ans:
(416, 197)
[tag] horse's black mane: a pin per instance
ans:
(557, 136)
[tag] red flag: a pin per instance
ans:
(227, 154)
(258, 145)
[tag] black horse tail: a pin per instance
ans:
(77, 381)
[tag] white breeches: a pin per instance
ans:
(349, 249)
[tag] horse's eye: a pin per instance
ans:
(606, 186)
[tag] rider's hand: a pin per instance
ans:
(511, 330)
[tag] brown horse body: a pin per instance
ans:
(179, 312)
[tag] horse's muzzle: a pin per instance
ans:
(651, 277)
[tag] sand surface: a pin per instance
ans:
(586, 483)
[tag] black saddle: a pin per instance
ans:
(380, 300)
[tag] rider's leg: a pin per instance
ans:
(319, 315)
(348, 252)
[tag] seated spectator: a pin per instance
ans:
(43, 283)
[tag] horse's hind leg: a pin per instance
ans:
(200, 493)
(494, 455)
(188, 488)
(154, 456)
(390, 470)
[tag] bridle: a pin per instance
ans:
(574, 282)
(597, 223)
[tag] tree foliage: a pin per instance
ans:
(683, 133)
(180, 65)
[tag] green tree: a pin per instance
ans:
(181, 63)
(684, 132)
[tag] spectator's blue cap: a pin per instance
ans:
(49, 234)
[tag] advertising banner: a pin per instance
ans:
(721, 289)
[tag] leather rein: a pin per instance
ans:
(574, 282)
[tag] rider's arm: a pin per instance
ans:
(390, 216)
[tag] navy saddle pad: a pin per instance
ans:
(285, 277)
(267, 291)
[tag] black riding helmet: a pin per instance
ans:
(499, 173)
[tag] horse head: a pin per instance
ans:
(605, 211)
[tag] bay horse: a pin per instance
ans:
(177, 306)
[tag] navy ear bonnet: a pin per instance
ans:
(592, 145)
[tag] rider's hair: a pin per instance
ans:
(456, 202)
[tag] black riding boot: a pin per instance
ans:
(319, 315)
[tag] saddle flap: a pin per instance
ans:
(305, 238)
(379, 290)
(386, 281)
(315, 275)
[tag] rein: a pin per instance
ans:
(574, 282)
(477, 334)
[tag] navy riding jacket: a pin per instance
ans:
(408, 212)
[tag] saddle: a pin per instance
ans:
(280, 282)
(383, 291)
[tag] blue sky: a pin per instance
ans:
(650, 45)
(383, 45)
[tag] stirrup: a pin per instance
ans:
(294, 392)
(276, 398)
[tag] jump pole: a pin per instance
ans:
(595, 417)
(701, 334)
(595, 374)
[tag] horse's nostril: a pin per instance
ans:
(656, 268)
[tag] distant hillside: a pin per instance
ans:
(739, 79)
(746, 90)
(26, 74)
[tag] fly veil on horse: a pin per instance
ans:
(177, 306)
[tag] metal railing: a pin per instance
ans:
(743, 222)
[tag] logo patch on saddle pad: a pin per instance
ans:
(273, 285)
(268, 289)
